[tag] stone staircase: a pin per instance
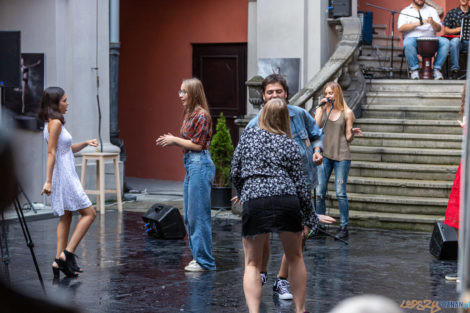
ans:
(404, 164)
(375, 58)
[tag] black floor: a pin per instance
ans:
(127, 271)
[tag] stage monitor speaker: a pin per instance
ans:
(341, 8)
(443, 243)
(163, 221)
(10, 59)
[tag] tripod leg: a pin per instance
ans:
(4, 249)
(29, 241)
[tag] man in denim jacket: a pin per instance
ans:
(309, 138)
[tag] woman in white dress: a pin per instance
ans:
(62, 182)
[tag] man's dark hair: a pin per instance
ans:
(275, 78)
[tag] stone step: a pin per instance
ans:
(414, 98)
(379, 73)
(407, 140)
(385, 40)
(403, 170)
(406, 155)
(380, 63)
(379, 29)
(410, 112)
(391, 204)
(408, 85)
(396, 187)
(382, 51)
(405, 221)
(409, 126)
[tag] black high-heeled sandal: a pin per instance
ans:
(71, 260)
(66, 269)
(56, 270)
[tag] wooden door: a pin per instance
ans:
(222, 69)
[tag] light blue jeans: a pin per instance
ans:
(455, 47)
(341, 179)
(197, 185)
(411, 52)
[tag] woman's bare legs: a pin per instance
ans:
(63, 230)
(292, 244)
(253, 247)
(88, 215)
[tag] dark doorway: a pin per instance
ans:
(222, 69)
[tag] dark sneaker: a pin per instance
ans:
(281, 288)
(454, 75)
(264, 278)
(342, 233)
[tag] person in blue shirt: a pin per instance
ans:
(309, 138)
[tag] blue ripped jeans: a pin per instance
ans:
(200, 171)
(341, 178)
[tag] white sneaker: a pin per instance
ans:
(193, 266)
(437, 74)
(414, 74)
(281, 288)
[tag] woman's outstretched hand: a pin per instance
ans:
(166, 140)
(325, 219)
(92, 142)
(356, 131)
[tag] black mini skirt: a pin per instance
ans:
(271, 215)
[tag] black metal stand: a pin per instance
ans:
(27, 237)
(393, 12)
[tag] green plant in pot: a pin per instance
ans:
(221, 150)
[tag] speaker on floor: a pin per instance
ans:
(165, 222)
(10, 62)
(443, 243)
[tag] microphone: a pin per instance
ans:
(332, 101)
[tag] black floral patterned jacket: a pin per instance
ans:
(266, 164)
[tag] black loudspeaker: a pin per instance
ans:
(341, 8)
(163, 221)
(443, 243)
(10, 64)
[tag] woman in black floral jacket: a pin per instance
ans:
(267, 173)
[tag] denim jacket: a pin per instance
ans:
(306, 134)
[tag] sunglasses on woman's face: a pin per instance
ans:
(182, 92)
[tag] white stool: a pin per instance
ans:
(100, 158)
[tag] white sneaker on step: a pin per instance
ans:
(414, 74)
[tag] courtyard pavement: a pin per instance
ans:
(125, 270)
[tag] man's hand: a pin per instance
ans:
(317, 158)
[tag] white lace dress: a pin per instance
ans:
(67, 191)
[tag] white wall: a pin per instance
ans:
(65, 31)
(288, 29)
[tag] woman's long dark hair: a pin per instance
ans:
(49, 106)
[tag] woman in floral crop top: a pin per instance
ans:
(267, 171)
(195, 139)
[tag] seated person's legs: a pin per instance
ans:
(454, 48)
(442, 53)
(411, 52)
